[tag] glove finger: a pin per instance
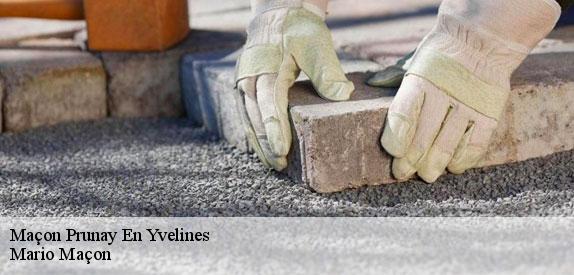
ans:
(438, 157)
(328, 78)
(473, 145)
(318, 60)
(434, 110)
(392, 76)
(402, 117)
(272, 100)
(389, 77)
(254, 128)
(247, 86)
(260, 143)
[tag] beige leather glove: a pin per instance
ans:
(284, 38)
(458, 82)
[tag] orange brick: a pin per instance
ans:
(135, 25)
(48, 9)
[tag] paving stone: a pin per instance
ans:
(147, 84)
(338, 143)
(539, 117)
(195, 89)
(209, 87)
(49, 87)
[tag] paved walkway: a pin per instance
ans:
(165, 168)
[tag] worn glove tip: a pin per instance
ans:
(429, 176)
(339, 91)
(402, 169)
(395, 135)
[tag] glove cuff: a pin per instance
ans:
(282, 4)
(474, 34)
(472, 51)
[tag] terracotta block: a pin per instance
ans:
(136, 25)
(47, 9)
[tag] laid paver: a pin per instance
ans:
(48, 87)
(195, 89)
(147, 84)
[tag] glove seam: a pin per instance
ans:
(491, 97)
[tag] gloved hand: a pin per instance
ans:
(392, 76)
(458, 82)
(284, 38)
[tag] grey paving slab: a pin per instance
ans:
(49, 87)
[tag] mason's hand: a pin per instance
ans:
(457, 83)
(284, 38)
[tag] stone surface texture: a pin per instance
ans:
(148, 84)
(196, 86)
(337, 144)
(49, 87)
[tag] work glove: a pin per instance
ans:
(284, 38)
(458, 82)
(391, 76)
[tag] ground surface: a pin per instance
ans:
(165, 168)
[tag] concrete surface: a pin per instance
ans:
(147, 84)
(49, 87)
(166, 168)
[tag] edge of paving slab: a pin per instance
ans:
(26, 71)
